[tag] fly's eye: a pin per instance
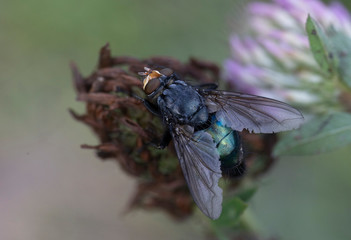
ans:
(167, 72)
(152, 85)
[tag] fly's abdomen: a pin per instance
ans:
(229, 148)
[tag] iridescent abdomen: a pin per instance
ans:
(228, 146)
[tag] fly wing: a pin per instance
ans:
(200, 163)
(257, 114)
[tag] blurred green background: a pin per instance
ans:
(52, 189)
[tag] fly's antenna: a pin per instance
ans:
(147, 72)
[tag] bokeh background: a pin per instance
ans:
(52, 189)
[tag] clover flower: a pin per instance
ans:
(274, 58)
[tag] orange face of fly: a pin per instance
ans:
(149, 74)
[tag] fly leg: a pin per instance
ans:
(153, 109)
(166, 139)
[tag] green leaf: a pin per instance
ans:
(341, 46)
(232, 209)
(247, 193)
(319, 135)
(320, 46)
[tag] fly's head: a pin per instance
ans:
(154, 79)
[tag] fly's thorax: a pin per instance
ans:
(183, 103)
(177, 101)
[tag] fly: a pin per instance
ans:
(204, 124)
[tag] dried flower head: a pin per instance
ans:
(128, 131)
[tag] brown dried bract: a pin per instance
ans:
(127, 130)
